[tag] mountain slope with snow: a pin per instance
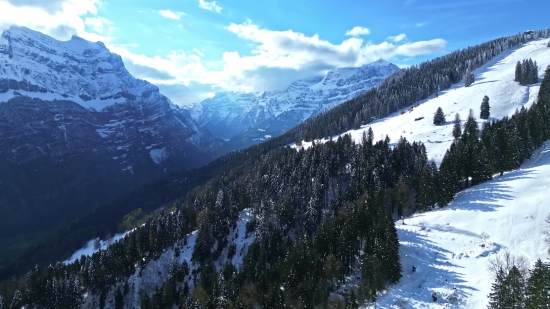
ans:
(228, 113)
(74, 122)
(495, 79)
(451, 247)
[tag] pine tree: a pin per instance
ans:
(439, 117)
(485, 108)
(471, 128)
(538, 287)
(525, 73)
(535, 73)
(518, 73)
(498, 296)
(515, 288)
(457, 127)
(17, 301)
(119, 300)
(469, 79)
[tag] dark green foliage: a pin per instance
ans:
(517, 75)
(498, 296)
(439, 117)
(485, 108)
(119, 301)
(469, 78)
(527, 72)
(515, 289)
(538, 287)
(457, 127)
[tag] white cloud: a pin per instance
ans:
(277, 57)
(211, 6)
(57, 18)
(421, 24)
(198, 52)
(358, 31)
(99, 24)
(398, 38)
(171, 14)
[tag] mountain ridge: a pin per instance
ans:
(228, 114)
(75, 122)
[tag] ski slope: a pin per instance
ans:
(495, 79)
(448, 248)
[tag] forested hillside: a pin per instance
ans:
(319, 215)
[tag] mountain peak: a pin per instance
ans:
(379, 62)
(78, 70)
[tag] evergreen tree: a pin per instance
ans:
(439, 117)
(515, 288)
(518, 73)
(471, 128)
(119, 300)
(457, 127)
(469, 79)
(17, 301)
(525, 72)
(499, 292)
(535, 73)
(538, 287)
(393, 252)
(485, 113)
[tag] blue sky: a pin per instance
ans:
(193, 48)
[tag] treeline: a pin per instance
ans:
(512, 289)
(500, 146)
(405, 88)
(340, 198)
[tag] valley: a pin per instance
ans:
(352, 196)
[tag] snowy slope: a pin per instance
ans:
(495, 79)
(446, 244)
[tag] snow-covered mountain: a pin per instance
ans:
(228, 114)
(452, 247)
(73, 108)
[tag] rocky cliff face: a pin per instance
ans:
(231, 115)
(77, 130)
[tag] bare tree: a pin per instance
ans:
(505, 261)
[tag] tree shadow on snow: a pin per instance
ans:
(486, 196)
(433, 271)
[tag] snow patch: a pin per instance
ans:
(158, 155)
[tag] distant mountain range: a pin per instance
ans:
(244, 119)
